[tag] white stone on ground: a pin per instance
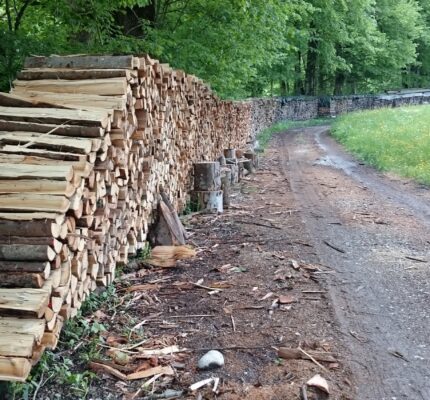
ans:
(212, 359)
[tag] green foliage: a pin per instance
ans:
(265, 136)
(396, 140)
(145, 253)
(241, 47)
(79, 344)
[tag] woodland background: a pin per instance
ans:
(242, 48)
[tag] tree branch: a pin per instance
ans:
(21, 14)
(9, 18)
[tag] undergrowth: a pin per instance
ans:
(390, 139)
(264, 136)
(67, 365)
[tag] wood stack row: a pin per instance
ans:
(86, 144)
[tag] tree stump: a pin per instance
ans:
(234, 168)
(207, 176)
(212, 201)
(248, 166)
(230, 153)
(225, 186)
(250, 155)
(222, 161)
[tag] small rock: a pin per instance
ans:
(212, 359)
(319, 382)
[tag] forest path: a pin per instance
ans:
(380, 226)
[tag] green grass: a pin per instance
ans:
(391, 139)
(265, 136)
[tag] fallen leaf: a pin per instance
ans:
(268, 295)
(287, 299)
(167, 370)
(294, 264)
(143, 287)
(238, 269)
(221, 285)
(166, 256)
(319, 382)
(228, 309)
(99, 316)
(119, 357)
(223, 268)
(115, 341)
(200, 384)
(159, 352)
(107, 369)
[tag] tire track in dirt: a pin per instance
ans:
(381, 297)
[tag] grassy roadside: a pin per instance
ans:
(264, 136)
(391, 139)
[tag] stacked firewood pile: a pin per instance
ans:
(86, 145)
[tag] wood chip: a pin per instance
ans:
(160, 370)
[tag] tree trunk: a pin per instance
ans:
(312, 69)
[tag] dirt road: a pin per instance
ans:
(375, 231)
(360, 289)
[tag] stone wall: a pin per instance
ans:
(259, 114)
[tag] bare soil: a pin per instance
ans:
(360, 291)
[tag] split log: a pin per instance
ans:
(23, 302)
(49, 142)
(14, 369)
(33, 327)
(103, 87)
(16, 345)
(34, 202)
(32, 224)
(56, 116)
(18, 240)
(80, 62)
(71, 74)
(26, 252)
(21, 280)
(39, 186)
(42, 267)
(25, 171)
(65, 130)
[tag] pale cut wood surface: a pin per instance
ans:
(23, 302)
(80, 61)
(34, 202)
(53, 155)
(67, 73)
(25, 266)
(29, 326)
(41, 186)
(56, 116)
(16, 344)
(14, 369)
(26, 171)
(49, 142)
(65, 130)
(72, 100)
(26, 252)
(102, 87)
(21, 280)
